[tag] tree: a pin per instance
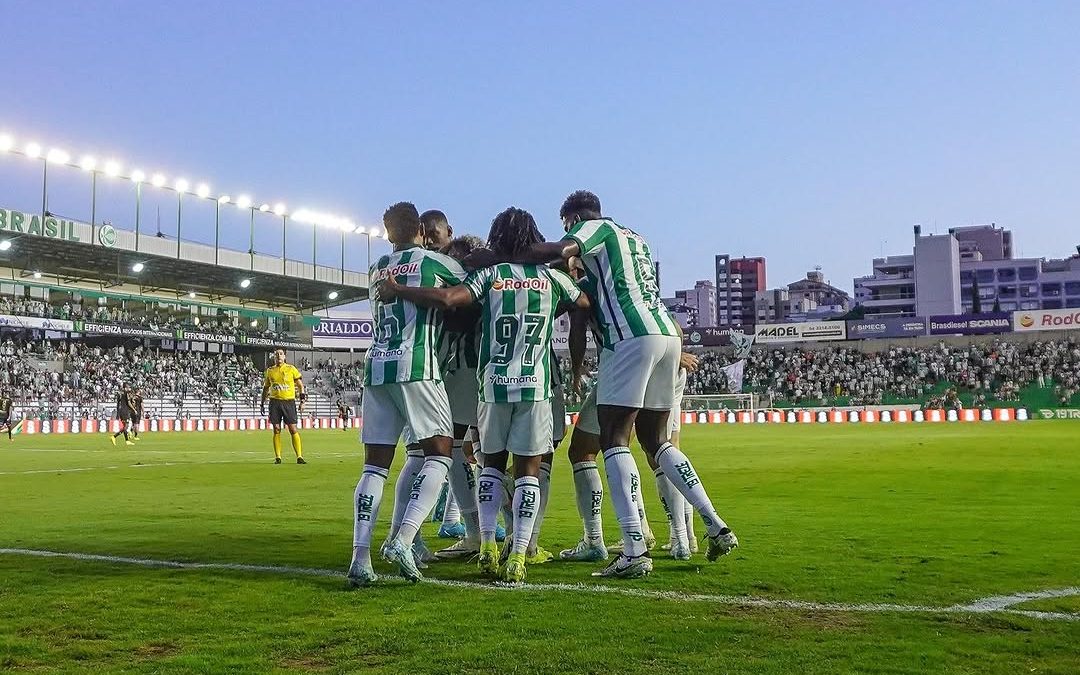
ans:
(976, 302)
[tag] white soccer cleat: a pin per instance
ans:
(422, 554)
(721, 544)
(462, 548)
(680, 550)
(693, 544)
(360, 576)
(585, 552)
(624, 567)
(402, 556)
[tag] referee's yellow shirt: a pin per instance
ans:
(282, 382)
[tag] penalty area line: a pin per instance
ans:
(996, 604)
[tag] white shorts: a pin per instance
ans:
(558, 416)
(520, 428)
(675, 421)
(640, 373)
(462, 390)
(389, 409)
(588, 422)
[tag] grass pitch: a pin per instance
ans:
(929, 516)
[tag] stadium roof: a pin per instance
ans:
(102, 258)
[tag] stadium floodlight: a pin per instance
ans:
(333, 295)
(37, 275)
(158, 180)
(373, 232)
(243, 202)
(138, 176)
(138, 267)
(323, 219)
(191, 294)
(244, 283)
(33, 150)
(88, 162)
(203, 190)
(58, 156)
(182, 185)
(5, 245)
(360, 229)
(6, 142)
(264, 208)
(112, 168)
(254, 323)
(279, 209)
(224, 199)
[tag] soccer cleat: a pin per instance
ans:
(301, 460)
(402, 556)
(113, 439)
(422, 553)
(693, 544)
(128, 443)
(540, 556)
(360, 576)
(277, 460)
(463, 548)
(137, 438)
(585, 552)
(680, 550)
(721, 544)
(455, 531)
(514, 570)
(650, 544)
(500, 533)
(488, 562)
(625, 567)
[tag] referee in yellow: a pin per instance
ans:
(282, 384)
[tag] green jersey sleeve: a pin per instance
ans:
(479, 283)
(565, 288)
(590, 235)
(444, 270)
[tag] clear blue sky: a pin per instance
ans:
(811, 133)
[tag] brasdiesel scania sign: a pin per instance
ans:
(1046, 319)
(810, 331)
(971, 324)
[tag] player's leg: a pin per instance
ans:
(134, 428)
(654, 434)
(588, 487)
(535, 554)
(277, 417)
(463, 488)
(427, 411)
(383, 424)
(291, 418)
(529, 440)
(490, 497)
(450, 525)
(688, 508)
(621, 386)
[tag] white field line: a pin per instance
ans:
(265, 460)
(996, 604)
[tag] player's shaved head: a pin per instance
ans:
(402, 222)
(513, 231)
(579, 206)
(437, 229)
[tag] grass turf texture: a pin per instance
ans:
(930, 515)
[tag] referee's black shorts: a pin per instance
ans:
(282, 411)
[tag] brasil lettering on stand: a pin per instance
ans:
(32, 223)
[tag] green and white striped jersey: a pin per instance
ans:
(621, 282)
(407, 335)
(520, 302)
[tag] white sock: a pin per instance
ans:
(425, 492)
(490, 496)
(688, 517)
(526, 508)
(508, 504)
(589, 490)
(545, 491)
(624, 483)
(639, 499)
(674, 504)
(681, 473)
(451, 513)
(402, 489)
(463, 487)
(366, 500)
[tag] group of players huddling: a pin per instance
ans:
(458, 350)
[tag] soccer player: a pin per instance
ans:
(343, 411)
(6, 423)
(123, 413)
(638, 371)
(402, 389)
(282, 384)
(135, 406)
(520, 303)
